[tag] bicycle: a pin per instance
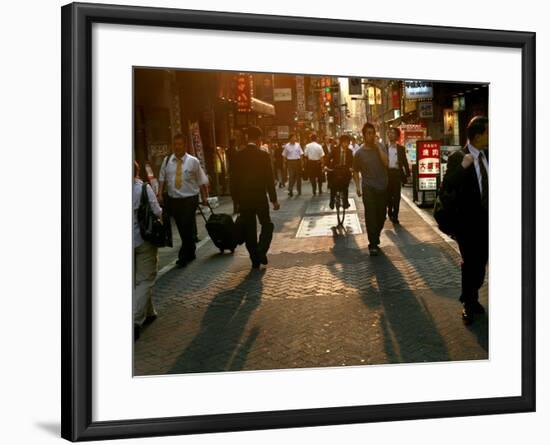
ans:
(338, 200)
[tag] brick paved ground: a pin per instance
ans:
(322, 301)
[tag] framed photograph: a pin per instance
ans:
(273, 222)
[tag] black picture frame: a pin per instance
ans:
(76, 418)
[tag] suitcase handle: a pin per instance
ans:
(202, 213)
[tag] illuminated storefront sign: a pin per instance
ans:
(428, 158)
(418, 90)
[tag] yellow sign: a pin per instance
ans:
(372, 96)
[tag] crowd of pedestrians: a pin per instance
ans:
(257, 169)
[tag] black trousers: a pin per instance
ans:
(280, 172)
(183, 211)
(249, 213)
(374, 202)
(474, 249)
(294, 167)
(339, 181)
(315, 174)
(394, 192)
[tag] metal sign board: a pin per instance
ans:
(282, 94)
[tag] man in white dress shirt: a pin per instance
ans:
(182, 176)
(354, 146)
(314, 154)
(292, 153)
(398, 172)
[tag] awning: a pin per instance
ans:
(261, 107)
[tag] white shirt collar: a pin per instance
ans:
(175, 158)
(474, 151)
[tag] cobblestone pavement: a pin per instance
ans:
(321, 301)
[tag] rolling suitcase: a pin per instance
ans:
(221, 229)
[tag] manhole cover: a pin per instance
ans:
(324, 225)
(321, 206)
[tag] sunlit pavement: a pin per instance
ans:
(321, 301)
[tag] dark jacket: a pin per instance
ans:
(402, 162)
(333, 160)
(464, 184)
(252, 177)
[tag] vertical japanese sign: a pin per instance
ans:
(378, 96)
(396, 99)
(267, 88)
(244, 92)
(198, 151)
(372, 95)
(428, 158)
(448, 121)
(300, 95)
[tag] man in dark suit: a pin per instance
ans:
(398, 172)
(468, 178)
(252, 180)
(339, 166)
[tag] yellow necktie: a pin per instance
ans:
(179, 172)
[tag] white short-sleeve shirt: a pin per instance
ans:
(314, 152)
(193, 176)
(292, 151)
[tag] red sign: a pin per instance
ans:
(196, 140)
(244, 92)
(428, 159)
(395, 99)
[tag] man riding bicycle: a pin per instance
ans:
(339, 169)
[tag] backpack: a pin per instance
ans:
(150, 226)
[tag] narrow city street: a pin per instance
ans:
(321, 301)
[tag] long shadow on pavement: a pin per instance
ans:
(409, 333)
(403, 238)
(217, 346)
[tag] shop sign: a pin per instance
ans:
(282, 94)
(267, 88)
(418, 90)
(300, 94)
(283, 131)
(372, 96)
(194, 131)
(428, 157)
(425, 109)
(448, 121)
(410, 133)
(395, 99)
(244, 92)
